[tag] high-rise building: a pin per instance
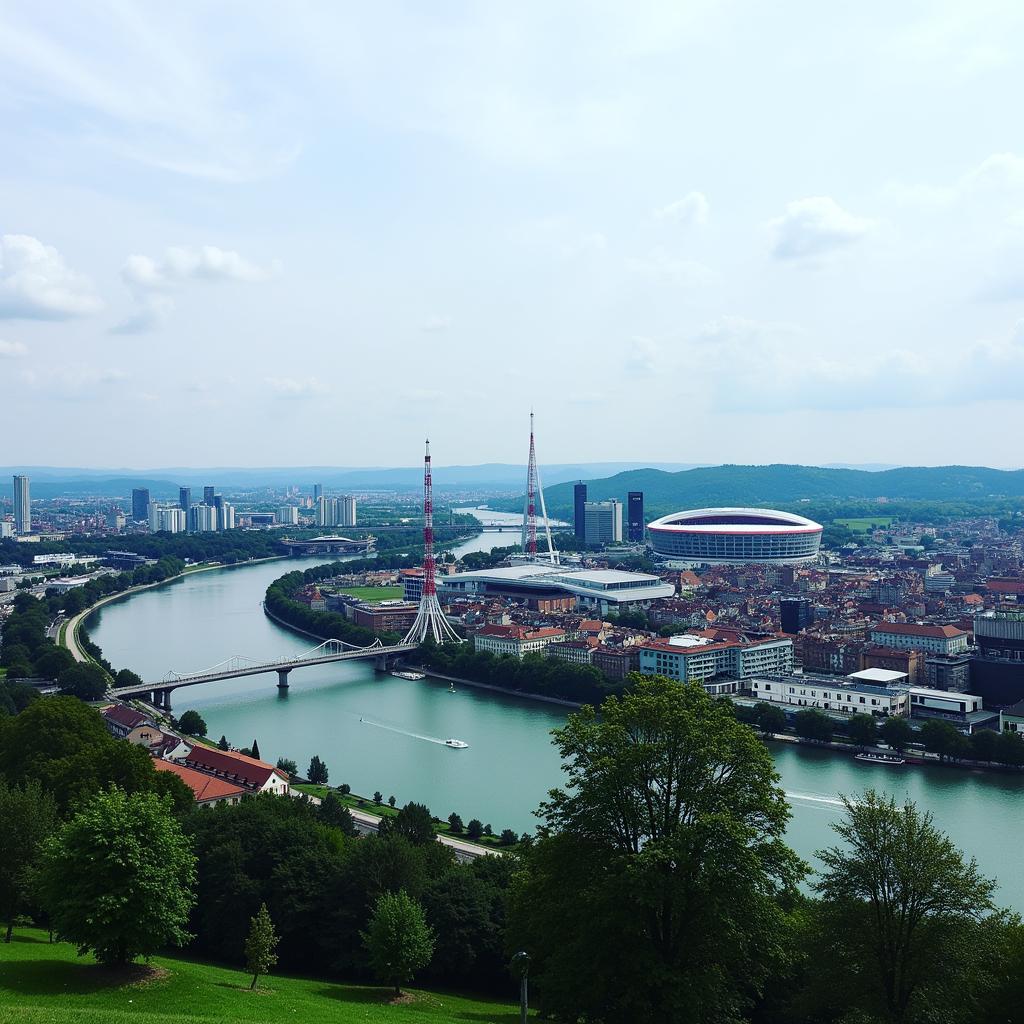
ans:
(318, 492)
(202, 519)
(579, 504)
(997, 669)
(115, 520)
(346, 510)
(288, 515)
(185, 498)
(166, 518)
(336, 511)
(140, 504)
(635, 516)
(208, 495)
(797, 613)
(602, 522)
(22, 505)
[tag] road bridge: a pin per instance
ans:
(327, 653)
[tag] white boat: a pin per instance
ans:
(879, 758)
(409, 675)
(456, 744)
(451, 687)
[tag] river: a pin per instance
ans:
(376, 732)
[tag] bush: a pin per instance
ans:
(455, 825)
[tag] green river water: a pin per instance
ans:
(377, 732)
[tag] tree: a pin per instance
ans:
(455, 825)
(378, 796)
(770, 719)
(863, 730)
(191, 722)
(84, 681)
(391, 801)
(344, 789)
(288, 766)
(475, 828)
(1010, 749)
(415, 823)
(334, 813)
(223, 744)
(117, 878)
(811, 724)
(943, 739)
(670, 832)
(126, 677)
(256, 750)
(983, 744)
(29, 815)
(260, 945)
(317, 773)
(901, 909)
(507, 838)
(897, 733)
(397, 939)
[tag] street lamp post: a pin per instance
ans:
(521, 962)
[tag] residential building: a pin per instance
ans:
(602, 522)
(911, 636)
(844, 696)
(412, 584)
(288, 515)
(336, 511)
(910, 662)
(388, 616)
(718, 659)
(115, 520)
(166, 519)
(579, 504)
(796, 613)
(247, 772)
(22, 505)
(578, 652)
(140, 504)
(948, 673)
(207, 789)
(617, 662)
(202, 519)
(635, 516)
(125, 723)
(516, 641)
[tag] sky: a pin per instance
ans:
(247, 233)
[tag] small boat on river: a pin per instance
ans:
(456, 744)
(408, 675)
(873, 757)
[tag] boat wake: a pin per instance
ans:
(404, 732)
(815, 798)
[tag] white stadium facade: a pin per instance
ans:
(735, 536)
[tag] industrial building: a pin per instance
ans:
(735, 536)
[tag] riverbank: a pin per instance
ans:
(575, 705)
(67, 635)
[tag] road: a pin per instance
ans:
(366, 822)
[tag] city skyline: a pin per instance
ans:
(787, 235)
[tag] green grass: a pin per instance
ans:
(373, 593)
(363, 803)
(864, 525)
(47, 983)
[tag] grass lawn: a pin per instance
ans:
(864, 525)
(47, 983)
(373, 593)
(363, 803)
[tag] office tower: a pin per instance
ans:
(635, 515)
(218, 503)
(22, 505)
(602, 522)
(208, 494)
(579, 501)
(318, 492)
(140, 504)
(797, 613)
(346, 510)
(185, 498)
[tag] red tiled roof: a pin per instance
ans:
(229, 762)
(205, 787)
(126, 716)
(913, 629)
(1005, 586)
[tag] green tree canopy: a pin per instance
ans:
(897, 733)
(862, 730)
(770, 718)
(117, 878)
(260, 945)
(811, 724)
(192, 723)
(28, 815)
(317, 773)
(670, 834)
(398, 940)
(901, 912)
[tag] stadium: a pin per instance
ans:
(735, 536)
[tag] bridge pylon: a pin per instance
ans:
(282, 678)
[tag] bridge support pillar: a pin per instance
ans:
(282, 678)
(380, 663)
(164, 699)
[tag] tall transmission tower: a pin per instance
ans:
(430, 620)
(535, 493)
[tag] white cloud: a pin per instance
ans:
(436, 323)
(814, 227)
(12, 349)
(293, 387)
(150, 279)
(691, 211)
(660, 263)
(36, 284)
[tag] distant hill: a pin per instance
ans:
(785, 485)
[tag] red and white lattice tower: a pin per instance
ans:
(430, 620)
(535, 493)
